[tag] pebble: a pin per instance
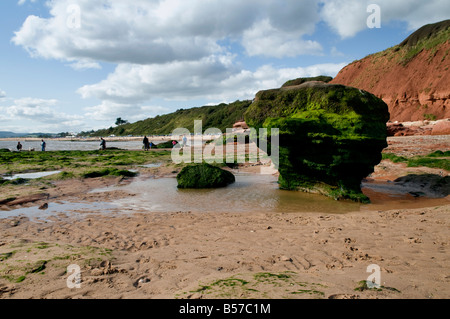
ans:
(143, 280)
(14, 223)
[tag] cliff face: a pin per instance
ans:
(413, 78)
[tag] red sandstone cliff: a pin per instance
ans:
(413, 78)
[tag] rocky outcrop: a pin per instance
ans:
(25, 200)
(418, 128)
(441, 128)
(331, 136)
(413, 78)
(320, 78)
(204, 176)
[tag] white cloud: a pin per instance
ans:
(109, 111)
(153, 31)
(177, 49)
(211, 78)
(21, 2)
(265, 40)
(2, 94)
(82, 65)
(39, 110)
(348, 17)
(124, 91)
(38, 115)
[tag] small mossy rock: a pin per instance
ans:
(168, 144)
(299, 81)
(331, 136)
(204, 176)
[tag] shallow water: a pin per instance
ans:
(258, 193)
(54, 209)
(152, 165)
(250, 193)
(30, 175)
(72, 146)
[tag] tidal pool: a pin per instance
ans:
(258, 193)
(54, 209)
(250, 193)
(30, 175)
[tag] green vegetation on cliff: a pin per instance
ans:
(299, 81)
(427, 38)
(220, 116)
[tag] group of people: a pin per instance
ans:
(147, 144)
(43, 146)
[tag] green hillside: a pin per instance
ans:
(428, 38)
(220, 116)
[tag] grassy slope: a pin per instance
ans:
(220, 116)
(427, 38)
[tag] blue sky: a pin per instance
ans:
(77, 65)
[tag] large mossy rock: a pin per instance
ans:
(331, 136)
(204, 176)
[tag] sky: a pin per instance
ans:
(78, 65)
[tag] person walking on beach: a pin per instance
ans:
(103, 144)
(43, 145)
(146, 144)
(19, 146)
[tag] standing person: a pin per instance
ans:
(103, 143)
(146, 144)
(19, 146)
(43, 145)
(184, 140)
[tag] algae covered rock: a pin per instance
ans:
(204, 176)
(331, 136)
(299, 81)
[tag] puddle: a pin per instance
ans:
(250, 193)
(389, 195)
(259, 193)
(72, 209)
(153, 165)
(30, 175)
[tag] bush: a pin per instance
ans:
(109, 172)
(168, 144)
(204, 176)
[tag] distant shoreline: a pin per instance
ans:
(95, 139)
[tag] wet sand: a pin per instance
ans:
(170, 255)
(183, 254)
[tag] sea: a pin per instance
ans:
(75, 145)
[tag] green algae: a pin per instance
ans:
(204, 175)
(331, 136)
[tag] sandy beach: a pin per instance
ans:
(141, 254)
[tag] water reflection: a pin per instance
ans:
(250, 193)
(30, 175)
(74, 209)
